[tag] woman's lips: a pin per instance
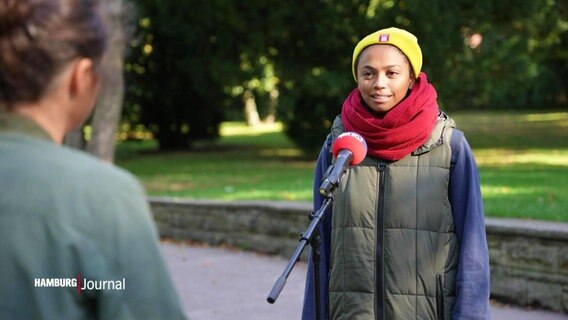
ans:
(380, 98)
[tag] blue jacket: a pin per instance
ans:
(472, 282)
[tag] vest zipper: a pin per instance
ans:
(440, 308)
(379, 279)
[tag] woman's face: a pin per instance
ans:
(383, 77)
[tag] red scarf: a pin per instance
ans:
(402, 130)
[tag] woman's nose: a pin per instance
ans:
(380, 81)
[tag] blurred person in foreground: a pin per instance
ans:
(405, 237)
(77, 237)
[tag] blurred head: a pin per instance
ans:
(385, 66)
(41, 40)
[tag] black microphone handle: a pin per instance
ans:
(343, 160)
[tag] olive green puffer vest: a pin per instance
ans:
(394, 253)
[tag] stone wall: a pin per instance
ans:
(529, 259)
(264, 227)
(529, 262)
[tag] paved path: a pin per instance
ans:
(222, 284)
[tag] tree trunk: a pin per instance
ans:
(272, 106)
(109, 103)
(251, 112)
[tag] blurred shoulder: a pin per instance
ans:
(62, 166)
(84, 167)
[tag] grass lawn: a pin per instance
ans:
(523, 162)
(522, 156)
(244, 164)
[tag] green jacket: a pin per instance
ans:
(69, 221)
(394, 251)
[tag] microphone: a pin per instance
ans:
(349, 149)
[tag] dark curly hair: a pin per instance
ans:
(38, 37)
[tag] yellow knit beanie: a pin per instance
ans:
(402, 39)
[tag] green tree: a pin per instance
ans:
(180, 49)
(197, 63)
(518, 63)
(313, 63)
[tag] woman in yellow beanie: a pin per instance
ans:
(405, 237)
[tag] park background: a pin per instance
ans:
(214, 104)
(232, 100)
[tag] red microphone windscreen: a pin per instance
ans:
(353, 142)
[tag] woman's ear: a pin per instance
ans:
(83, 87)
(411, 84)
(84, 79)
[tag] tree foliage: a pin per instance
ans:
(178, 53)
(193, 61)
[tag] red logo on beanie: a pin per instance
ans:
(384, 37)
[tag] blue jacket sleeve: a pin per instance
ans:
(324, 229)
(472, 280)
